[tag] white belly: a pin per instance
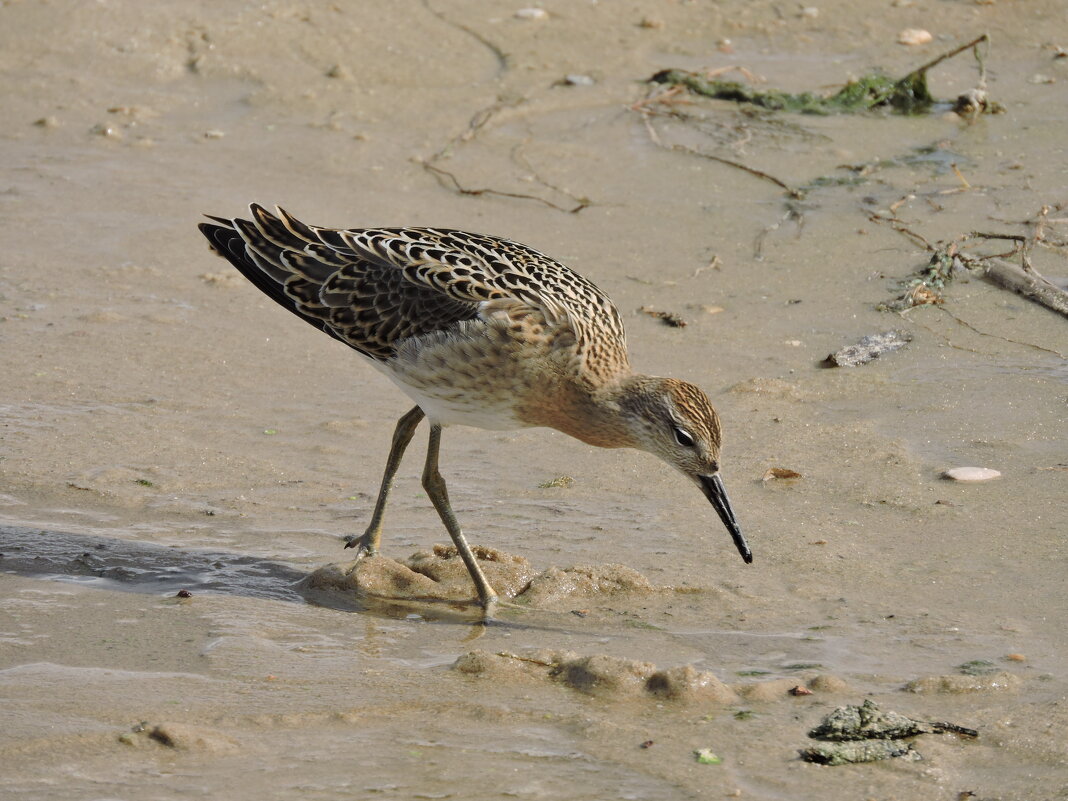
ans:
(450, 411)
(466, 406)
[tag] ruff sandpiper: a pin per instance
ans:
(477, 331)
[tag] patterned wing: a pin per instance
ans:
(479, 268)
(361, 302)
(371, 288)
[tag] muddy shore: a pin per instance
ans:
(166, 427)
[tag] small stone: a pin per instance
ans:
(971, 474)
(214, 133)
(868, 348)
(339, 71)
(107, 131)
(532, 13)
(578, 80)
(810, 12)
(783, 473)
(47, 122)
(651, 23)
(1040, 78)
(1016, 657)
(914, 36)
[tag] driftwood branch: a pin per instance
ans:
(1022, 278)
(1028, 283)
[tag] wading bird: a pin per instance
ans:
(477, 331)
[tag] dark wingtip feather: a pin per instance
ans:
(216, 236)
(209, 231)
(296, 227)
(260, 214)
(226, 240)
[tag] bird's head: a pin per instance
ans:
(676, 421)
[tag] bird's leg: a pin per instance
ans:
(435, 488)
(367, 545)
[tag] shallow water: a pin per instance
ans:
(141, 379)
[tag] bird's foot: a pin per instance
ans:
(365, 544)
(493, 609)
(489, 605)
(490, 617)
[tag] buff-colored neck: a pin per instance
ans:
(605, 416)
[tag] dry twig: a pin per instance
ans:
(952, 256)
(449, 180)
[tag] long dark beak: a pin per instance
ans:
(713, 488)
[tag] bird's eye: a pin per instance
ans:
(683, 437)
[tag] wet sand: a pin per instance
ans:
(165, 427)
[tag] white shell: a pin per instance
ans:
(532, 13)
(914, 36)
(971, 473)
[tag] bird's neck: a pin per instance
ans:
(595, 415)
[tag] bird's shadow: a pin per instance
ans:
(109, 563)
(142, 567)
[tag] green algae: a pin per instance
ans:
(978, 667)
(907, 95)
